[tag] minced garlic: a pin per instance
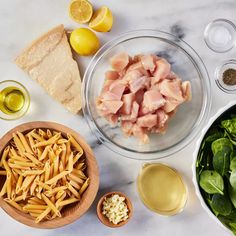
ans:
(115, 209)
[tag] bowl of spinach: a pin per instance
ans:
(215, 167)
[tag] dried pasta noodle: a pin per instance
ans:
(44, 173)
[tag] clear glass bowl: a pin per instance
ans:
(230, 64)
(190, 117)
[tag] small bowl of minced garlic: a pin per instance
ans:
(114, 209)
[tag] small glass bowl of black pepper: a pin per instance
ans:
(225, 76)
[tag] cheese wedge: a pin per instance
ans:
(48, 60)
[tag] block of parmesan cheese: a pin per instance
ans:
(48, 60)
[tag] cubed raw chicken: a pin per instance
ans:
(162, 70)
(186, 89)
(172, 89)
(127, 100)
(140, 133)
(112, 119)
(141, 93)
(170, 105)
(127, 127)
(120, 61)
(112, 106)
(153, 100)
(138, 66)
(140, 83)
(148, 63)
(147, 121)
(111, 75)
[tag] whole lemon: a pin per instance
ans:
(84, 41)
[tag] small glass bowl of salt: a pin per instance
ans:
(220, 35)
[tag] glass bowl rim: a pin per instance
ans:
(27, 94)
(197, 62)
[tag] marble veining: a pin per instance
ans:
(23, 20)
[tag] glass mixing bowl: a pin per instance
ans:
(190, 116)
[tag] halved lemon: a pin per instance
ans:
(80, 11)
(102, 20)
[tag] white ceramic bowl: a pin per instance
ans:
(199, 141)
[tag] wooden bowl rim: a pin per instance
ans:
(91, 192)
(104, 219)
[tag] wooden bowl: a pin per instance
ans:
(71, 212)
(104, 219)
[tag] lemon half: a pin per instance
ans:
(102, 20)
(80, 11)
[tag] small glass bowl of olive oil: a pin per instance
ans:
(162, 189)
(14, 100)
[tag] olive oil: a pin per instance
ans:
(162, 189)
(12, 100)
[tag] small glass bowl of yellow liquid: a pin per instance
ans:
(162, 189)
(14, 100)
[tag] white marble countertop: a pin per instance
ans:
(23, 20)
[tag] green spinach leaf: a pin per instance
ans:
(221, 204)
(232, 179)
(211, 182)
(232, 195)
(229, 125)
(233, 164)
(221, 143)
(221, 161)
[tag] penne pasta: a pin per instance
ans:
(44, 172)
(84, 186)
(57, 177)
(14, 204)
(24, 142)
(43, 215)
(51, 205)
(75, 144)
(52, 140)
(67, 202)
(18, 144)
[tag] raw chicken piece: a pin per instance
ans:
(170, 105)
(137, 58)
(127, 100)
(106, 85)
(148, 63)
(112, 106)
(162, 118)
(134, 113)
(113, 90)
(140, 133)
(172, 89)
(139, 96)
(139, 67)
(119, 61)
(147, 121)
(153, 100)
(140, 83)
(112, 119)
(132, 75)
(111, 75)
(127, 127)
(162, 70)
(186, 89)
